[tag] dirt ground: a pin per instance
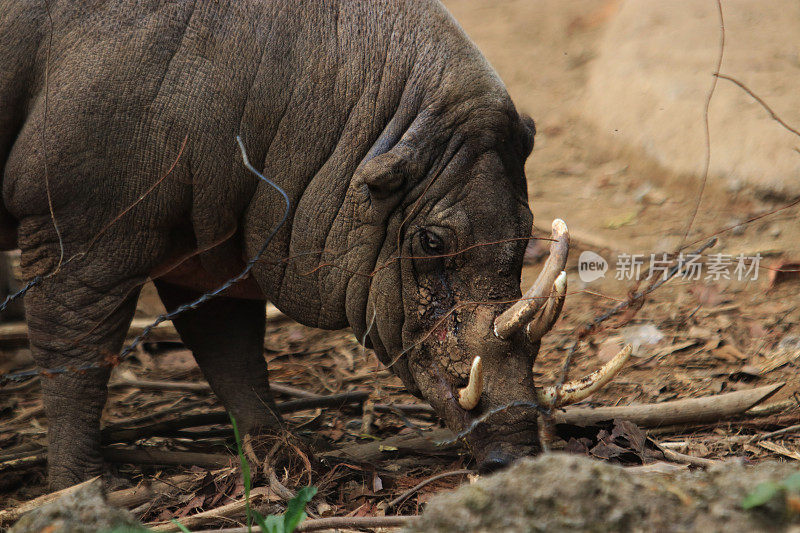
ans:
(712, 336)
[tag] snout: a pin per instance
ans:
(505, 436)
(495, 460)
(497, 455)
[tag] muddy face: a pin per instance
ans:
(462, 243)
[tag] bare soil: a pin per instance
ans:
(718, 336)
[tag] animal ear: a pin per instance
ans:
(385, 177)
(529, 131)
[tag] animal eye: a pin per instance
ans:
(431, 243)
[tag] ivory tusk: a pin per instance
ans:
(469, 396)
(519, 314)
(544, 321)
(579, 389)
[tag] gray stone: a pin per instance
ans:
(558, 492)
(82, 511)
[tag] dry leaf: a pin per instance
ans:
(730, 353)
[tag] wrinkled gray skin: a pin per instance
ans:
(387, 128)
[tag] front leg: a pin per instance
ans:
(226, 336)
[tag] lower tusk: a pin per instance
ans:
(579, 389)
(469, 396)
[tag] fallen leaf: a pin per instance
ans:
(677, 347)
(729, 352)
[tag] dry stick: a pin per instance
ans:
(212, 515)
(755, 97)
(687, 411)
(400, 499)
(784, 431)
(155, 456)
(19, 388)
(334, 522)
(149, 490)
(706, 127)
(192, 386)
(371, 452)
(683, 458)
(125, 498)
(406, 408)
(183, 386)
(16, 333)
(175, 408)
(221, 417)
(23, 462)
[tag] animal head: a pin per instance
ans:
(442, 305)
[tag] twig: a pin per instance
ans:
(784, 431)
(372, 452)
(407, 408)
(212, 515)
(156, 456)
(194, 386)
(277, 487)
(149, 490)
(178, 406)
(400, 499)
(221, 417)
(19, 388)
(16, 333)
(24, 462)
(683, 458)
(335, 522)
(184, 386)
(706, 127)
(774, 116)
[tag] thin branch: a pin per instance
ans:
(407, 494)
(706, 127)
(335, 522)
(672, 455)
(774, 116)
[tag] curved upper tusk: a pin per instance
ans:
(544, 321)
(579, 389)
(469, 396)
(519, 314)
